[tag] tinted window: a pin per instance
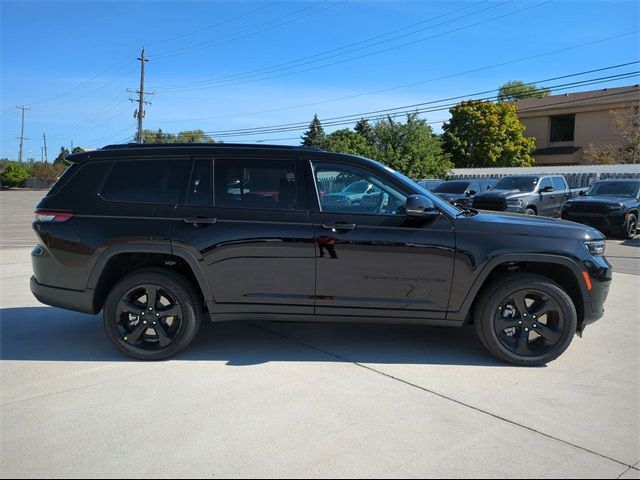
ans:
(381, 197)
(616, 189)
(271, 184)
(64, 178)
(524, 184)
(147, 181)
(544, 183)
(562, 128)
(451, 187)
(199, 192)
(559, 183)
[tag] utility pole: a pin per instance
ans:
(44, 137)
(21, 137)
(139, 114)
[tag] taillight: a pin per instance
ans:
(50, 216)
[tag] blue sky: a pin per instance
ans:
(236, 65)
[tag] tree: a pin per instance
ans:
(410, 147)
(47, 172)
(626, 124)
(187, 136)
(313, 136)
(486, 134)
(14, 175)
(517, 89)
(345, 141)
(364, 128)
(78, 150)
(62, 155)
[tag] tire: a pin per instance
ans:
(165, 335)
(630, 227)
(529, 337)
(530, 211)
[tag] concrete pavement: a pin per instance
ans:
(298, 400)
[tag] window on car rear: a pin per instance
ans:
(63, 179)
(258, 183)
(147, 181)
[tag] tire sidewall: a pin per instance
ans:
(174, 284)
(627, 234)
(519, 282)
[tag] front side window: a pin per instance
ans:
(562, 128)
(260, 183)
(341, 189)
(147, 181)
(544, 183)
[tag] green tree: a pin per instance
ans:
(410, 148)
(517, 89)
(62, 155)
(315, 134)
(78, 150)
(486, 134)
(345, 141)
(14, 174)
(364, 128)
(47, 172)
(194, 136)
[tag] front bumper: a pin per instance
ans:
(600, 275)
(77, 300)
(614, 222)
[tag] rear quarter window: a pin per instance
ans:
(63, 179)
(147, 181)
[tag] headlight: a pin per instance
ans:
(595, 247)
(514, 203)
(615, 207)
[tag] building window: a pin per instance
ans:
(562, 128)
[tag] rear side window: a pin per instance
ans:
(268, 184)
(147, 181)
(63, 179)
(199, 192)
(559, 183)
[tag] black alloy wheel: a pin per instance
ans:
(525, 319)
(631, 226)
(153, 314)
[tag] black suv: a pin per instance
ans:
(530, 194)
(462, 192)
(161, 237)
(611, 206)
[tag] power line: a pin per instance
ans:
(358, 57)
(349, 119)
(271, 68)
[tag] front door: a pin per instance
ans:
(371, 259)
(252, 235)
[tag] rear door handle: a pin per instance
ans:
(334, 227)
(200, 220)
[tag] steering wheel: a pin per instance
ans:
(383, 196)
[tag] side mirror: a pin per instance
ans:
(419, 206)
(547, 189)
(471, 193)
(581, 193)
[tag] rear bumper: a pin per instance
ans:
(77, 300)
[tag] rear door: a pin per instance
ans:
(548, 200)
(562, 194)
(250, 230)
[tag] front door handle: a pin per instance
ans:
(335, 227)
(200, 220)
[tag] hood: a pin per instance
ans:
(499, 194)
(539, 227)
(601, 200)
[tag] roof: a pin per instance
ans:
(134, 149)
(591, 99)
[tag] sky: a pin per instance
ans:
(235, 65)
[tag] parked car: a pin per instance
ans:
(429, 183)
(352, 194)
(462, 192)
(530, 194)
(161, 237)
(611, 206)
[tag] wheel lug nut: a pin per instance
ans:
(524, 315)
(519, 323)
(157, 314)
(150, 308)
(145, 322)
(526, 329)
(142, 313)
(535, 325)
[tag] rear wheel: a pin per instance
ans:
(525, 319)
(630, 226)
(152, 314)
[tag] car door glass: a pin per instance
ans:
(262, 183)
(199, 192)
(544, 183)
(348, 189)
(558, 183)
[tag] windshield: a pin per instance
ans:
(615, 189)
(451, 187)
(524, 184)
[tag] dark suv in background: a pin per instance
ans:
(611, 206)
(162, 237)
(531, 194)
(462, 192)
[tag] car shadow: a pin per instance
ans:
(51, 334)
(631, 242)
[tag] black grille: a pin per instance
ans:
(588, 208)
(496, 204)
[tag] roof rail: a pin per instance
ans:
(207, 145)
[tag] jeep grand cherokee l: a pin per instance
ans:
(161, 237)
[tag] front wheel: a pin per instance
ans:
(525, 319)
(630, 227)
(530, 211)
(152, 314)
